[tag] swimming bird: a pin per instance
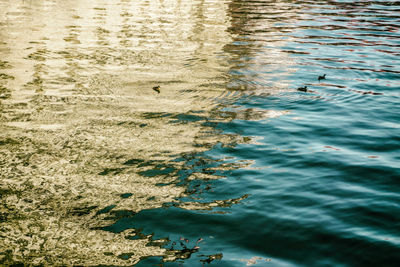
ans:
(303, 89)
(156, 88)
(321, 77)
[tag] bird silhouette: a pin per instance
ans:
(303, 89)
(321, 77)
(156, 88)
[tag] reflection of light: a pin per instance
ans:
(260, 30)
(84, 128)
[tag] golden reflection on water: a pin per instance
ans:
(80, 125)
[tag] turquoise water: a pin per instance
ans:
(272, 176)
(323, 188)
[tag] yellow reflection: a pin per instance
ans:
(82, 133)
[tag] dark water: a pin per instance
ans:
(229, 165)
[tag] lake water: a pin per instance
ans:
(229, 164)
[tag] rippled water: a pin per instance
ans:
(229, 164)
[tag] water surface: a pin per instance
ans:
(229, 164)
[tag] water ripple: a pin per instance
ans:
(228, 163)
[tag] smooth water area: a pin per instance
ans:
(229, 164)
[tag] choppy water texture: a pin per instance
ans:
(228, 164)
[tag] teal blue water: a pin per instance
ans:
(288, 178)
(324, 187)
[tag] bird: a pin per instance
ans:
(303, 89)
(321, 77)
(156, 88)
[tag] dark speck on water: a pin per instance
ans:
(233, 165)
(302, 89)
(321, 77)
(156, 88)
